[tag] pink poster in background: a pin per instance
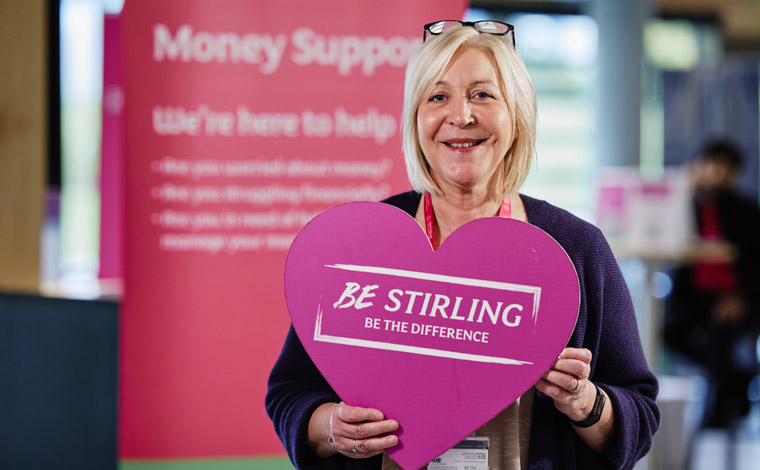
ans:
(243, 120)
(112, 154)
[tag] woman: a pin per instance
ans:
(469, 133)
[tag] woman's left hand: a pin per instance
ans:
(568, 385)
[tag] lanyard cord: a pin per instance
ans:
(505, 211)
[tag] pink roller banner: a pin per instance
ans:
(112, 154)
(243, 120)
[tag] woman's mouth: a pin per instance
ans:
(462, 144)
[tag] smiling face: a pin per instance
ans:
(464, 125)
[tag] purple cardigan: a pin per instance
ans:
(606, 325)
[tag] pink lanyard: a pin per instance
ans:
(505, 211)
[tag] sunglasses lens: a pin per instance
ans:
(441, 26)
(491, 27)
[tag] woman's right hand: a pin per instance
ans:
(356, 432)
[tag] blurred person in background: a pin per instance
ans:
(713, 315)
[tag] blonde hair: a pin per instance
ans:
(426, 67)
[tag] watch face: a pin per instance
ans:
(601, 399)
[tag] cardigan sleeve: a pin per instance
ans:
(295, 389)
(618, 365)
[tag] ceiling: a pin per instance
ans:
(739, 19)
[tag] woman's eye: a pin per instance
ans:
(437, 98)
(483, 95)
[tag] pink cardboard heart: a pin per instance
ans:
(440, 341)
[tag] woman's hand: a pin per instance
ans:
(574, 395)
(567, 383)
(356, 432)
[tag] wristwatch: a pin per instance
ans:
(596, 411)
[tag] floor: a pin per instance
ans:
(719, 450)
(681, 445)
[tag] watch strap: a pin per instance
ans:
(596, 411)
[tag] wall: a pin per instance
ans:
(23, 141)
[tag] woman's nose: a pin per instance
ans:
(460, 112)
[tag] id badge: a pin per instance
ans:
(470, 454)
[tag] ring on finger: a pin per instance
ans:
(353, 447)
(577, 387)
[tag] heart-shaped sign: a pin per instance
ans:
(439, 341)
